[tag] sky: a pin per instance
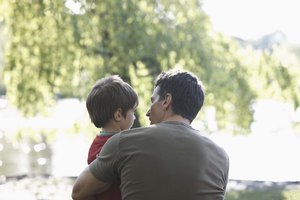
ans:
(250, 19)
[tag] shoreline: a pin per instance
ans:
(48, 187)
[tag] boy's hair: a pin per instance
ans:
(107, 95)
(186, 90)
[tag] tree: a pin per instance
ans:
(41, 59)
(54, 51)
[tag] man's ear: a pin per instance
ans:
(118, 114)
(167, 102)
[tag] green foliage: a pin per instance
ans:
(3, 39)
(41, 53)
(55, 52)
(142, 83)
(228, 89)
(278, 194)
(275, 75)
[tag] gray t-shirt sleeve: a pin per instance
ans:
(104, 167)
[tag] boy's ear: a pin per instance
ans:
(118, 114)
(167, 102)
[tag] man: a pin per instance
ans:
(168, 160)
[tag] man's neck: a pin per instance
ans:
(178, 118)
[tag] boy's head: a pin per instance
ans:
(108, 95)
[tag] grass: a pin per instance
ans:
(264, 194)
(55, 188)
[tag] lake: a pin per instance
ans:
(270, 153)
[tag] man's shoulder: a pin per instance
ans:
(139, 130)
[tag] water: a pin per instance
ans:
(24, 157)
(270, 153)
(253, 157)
(66, 156)
(262, 157)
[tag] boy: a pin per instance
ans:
(111, 105)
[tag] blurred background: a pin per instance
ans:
(246, 53)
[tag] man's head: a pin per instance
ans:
(179, 91)
(107, 96)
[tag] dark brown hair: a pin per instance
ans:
(107, 95)
(186, 90)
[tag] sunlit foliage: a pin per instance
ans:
(55, 51)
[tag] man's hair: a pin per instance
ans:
(107, 95)
(186, 90)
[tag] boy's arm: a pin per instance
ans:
(86, 186)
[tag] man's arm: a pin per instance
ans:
(86, 186)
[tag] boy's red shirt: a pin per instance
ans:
(114, 192)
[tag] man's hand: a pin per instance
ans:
(87, 186)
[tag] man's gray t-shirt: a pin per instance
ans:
(166, 161)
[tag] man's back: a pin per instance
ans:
(168, 161)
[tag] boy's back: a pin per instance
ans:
(111, 105)
(114, 192)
